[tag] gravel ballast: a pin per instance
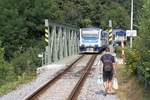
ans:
(92, 90)
(62, 88)
(24, 90)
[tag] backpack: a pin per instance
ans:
(107, 63)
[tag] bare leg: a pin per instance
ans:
(110, 86)
(106, 85)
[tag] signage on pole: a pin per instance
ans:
(131, 33)
(40, 55)
(46, 22)
(110, 23)
(120, 38)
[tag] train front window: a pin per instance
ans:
(89, 36)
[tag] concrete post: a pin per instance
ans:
(65, 43)
(77, 40)
(68, 41)
(71, 41)
(60, 43)
(76, 45)
(53, 47)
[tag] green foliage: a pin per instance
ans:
(138, 58)
(6, 70)
(27, 61)
(22, 27)
(12, 84)
(87, 22)
(94, 12)
(118, 51)
(22, 21)
(132, 59)
(10, 76)
(143, 40)
(1, 56)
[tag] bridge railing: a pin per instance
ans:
(62, 42)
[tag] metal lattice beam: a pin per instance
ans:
(62, 42)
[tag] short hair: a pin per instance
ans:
(107, 49)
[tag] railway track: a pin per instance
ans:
(75, 92)
(71, 72)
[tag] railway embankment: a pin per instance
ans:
(44, 74)
(130, 88)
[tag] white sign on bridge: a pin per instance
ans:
(132, 33)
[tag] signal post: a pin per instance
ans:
(110, 37)
(47, 48)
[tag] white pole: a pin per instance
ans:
(42, 58)
(131, 27)
(122, 47)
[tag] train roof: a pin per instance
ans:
(89, 29)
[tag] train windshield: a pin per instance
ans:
(89, 36)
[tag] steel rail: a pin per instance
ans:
(52, 81)
(76, 91)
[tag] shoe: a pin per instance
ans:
(105, 93)
(109, 92)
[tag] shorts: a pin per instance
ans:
(107, 76)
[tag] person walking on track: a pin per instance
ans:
(108, 69)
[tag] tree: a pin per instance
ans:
(22, 21)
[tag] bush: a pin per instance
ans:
(27, 61)
(132, 59)
(20, 70)
(118, 51)
(6, 70)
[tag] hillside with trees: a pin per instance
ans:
(22, 29)
(139, 57)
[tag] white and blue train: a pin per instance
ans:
(92, 40)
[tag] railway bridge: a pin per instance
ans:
(76, 79)
(62, 41)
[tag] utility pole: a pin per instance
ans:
(110, 32)
(131, 27)
(47, 48)
(111, 36)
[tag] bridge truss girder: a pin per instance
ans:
(62, 42)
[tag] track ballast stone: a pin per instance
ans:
(92, 90)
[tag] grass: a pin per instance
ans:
(129, 87)
(12, 85)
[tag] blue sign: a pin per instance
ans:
(121, 33)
